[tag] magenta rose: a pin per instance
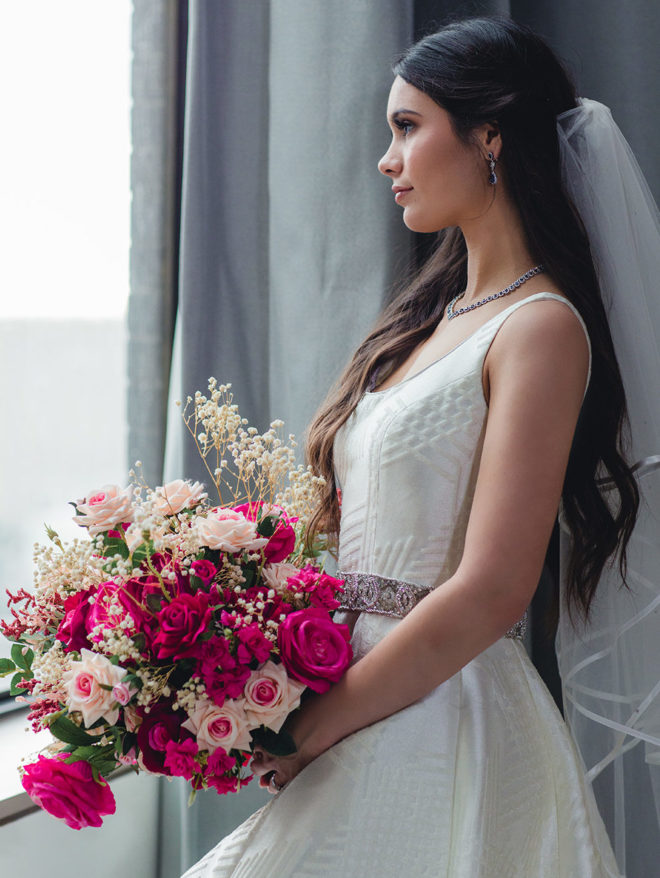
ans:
(73, 628)
(252, 644)
(203, 570)
(180, 758)
(283, 541)
(320, 587)
(181, 623)
(158, 728)
(68, 792)
(313, 648)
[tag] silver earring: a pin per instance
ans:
(492, 177)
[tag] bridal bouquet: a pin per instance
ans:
(179, 633)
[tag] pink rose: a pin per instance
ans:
(68, 791)
(214, 726)
(171, 498)
(180, 758)
(229, 531)
(89, 684)
(313, 648)
(271, 695)
(105, 508)
(122, 693)
(181, 623)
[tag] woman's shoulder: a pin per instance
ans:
(545, 335)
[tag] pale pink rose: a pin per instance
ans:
(132, 719)
(123, 693)
(84, 682)
(229, 531)
(177, 495)
(214, 726)
(271, 695)
(276, 575)
(133, 537)
(105, 508)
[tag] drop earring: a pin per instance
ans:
(492, 177)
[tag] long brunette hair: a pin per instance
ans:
(482, 70)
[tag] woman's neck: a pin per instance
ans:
(497, 249)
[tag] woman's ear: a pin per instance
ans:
(489, 138)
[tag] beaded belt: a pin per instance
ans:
(370, 593)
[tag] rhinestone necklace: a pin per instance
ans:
(505, 292)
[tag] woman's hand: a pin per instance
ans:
(274, 772)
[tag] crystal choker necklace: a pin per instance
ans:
(505, 292)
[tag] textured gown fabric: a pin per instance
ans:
(479, 779)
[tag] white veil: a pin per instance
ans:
(611, 669)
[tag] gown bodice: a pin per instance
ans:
(407, 460)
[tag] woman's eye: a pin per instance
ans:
(404, 125)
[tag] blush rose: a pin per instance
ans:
(84, 683)
(104, 508)
(214, 726)
(68, 791)
(179, 494)
(229, 531)
(313, 648)
(271, 695)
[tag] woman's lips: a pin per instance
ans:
(400, 193)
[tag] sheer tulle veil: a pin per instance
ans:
(611, 668)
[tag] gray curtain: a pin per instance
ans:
(289, 240)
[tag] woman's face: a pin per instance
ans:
(442, 180)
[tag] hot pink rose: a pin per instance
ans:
(180, 758)
(252, 644)
(68, 792)
(105, 508)
(229, 531)
(282, 542)
(181, 623)
(203, 570)
(73, 628)
(313, 648)
(271, 695)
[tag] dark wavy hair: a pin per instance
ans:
(482, 70)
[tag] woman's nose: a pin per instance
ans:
(389, 164)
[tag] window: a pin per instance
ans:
(64, 228)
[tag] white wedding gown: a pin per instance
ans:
(479, 779)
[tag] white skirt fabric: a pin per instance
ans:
(479, 779)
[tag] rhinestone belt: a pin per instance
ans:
(370, 593)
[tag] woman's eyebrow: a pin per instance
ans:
(403, 112)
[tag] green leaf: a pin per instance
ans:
(154, 602)
(277, 743)
(13, 690)
(114, 546)
(18, 657)
(66, 730)
(6, 667)
(266, 527)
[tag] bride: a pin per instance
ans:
(488, 394)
